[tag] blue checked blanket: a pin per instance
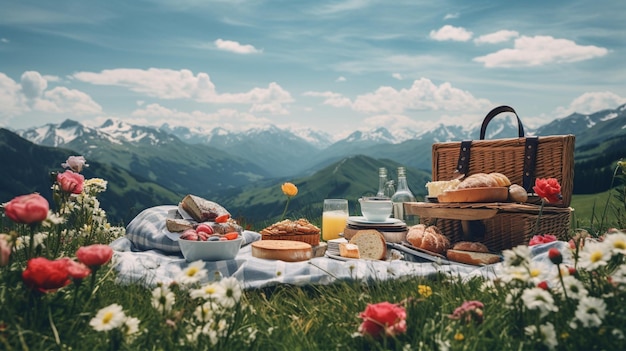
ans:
(148, 256)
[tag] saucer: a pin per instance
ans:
(363, 220)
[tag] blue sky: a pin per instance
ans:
(335, 66)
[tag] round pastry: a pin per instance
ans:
(470, 246)
(478, 180)
(517, 193)
(427, 238)
(500, 178)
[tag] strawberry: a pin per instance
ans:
(231, 235)
(222, 219)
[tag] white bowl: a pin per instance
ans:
(375, 209)
(210, 250)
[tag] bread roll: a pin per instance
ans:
(349, 250)
(473, 258)
(478, 180)
(517, 193)
(428, 238)
(470, 246)
(371, 244)
(500, 178)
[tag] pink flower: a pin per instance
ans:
(541, 239)
(543, 285)
(71, 182)
(94, 255)
(5, 249)
(77, 270)
(44, 275)
(75, 163)
(27, 209)
(548, 189)
(555, 256)
(383, 318)
(469, 311)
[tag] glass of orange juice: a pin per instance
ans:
(334, 218)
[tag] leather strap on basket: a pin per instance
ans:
(496, 111)
(462, 166)
(530, 159)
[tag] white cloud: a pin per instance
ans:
(4, 40)
(422, 95)
(449, 32)
(33, 84)
(340, 79)
(182, 84)
(330, 98)
(64, 100)
(541, 50)
(591, 102)
(397, 76)
(450, 16)
(497, 37)
(11, 99)
(228, 118)
(233, 46)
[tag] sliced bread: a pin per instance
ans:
(371, 244)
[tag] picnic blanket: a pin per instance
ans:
(148, 256)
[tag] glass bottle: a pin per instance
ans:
(382, 181)
(403, 194)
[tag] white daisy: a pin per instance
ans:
(539, 299)
(108, 318)
(619, 277)
(211, 291)
(194, 273)
(163, 299)
(131, 326)
(591, 311)
(616, 242)
(205, 313)
(519, 255)
(574, 288)
(594, 255)
(547, 334)
(539, 271)
(232, 292)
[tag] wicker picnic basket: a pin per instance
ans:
(503, 225)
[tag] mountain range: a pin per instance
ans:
(240, 167)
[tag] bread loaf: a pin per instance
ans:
(371, 244)
(202, 210)
(284, 250)
(473, 258)
(428, 238)
(349, 250)
(484, 180)
(470, 246)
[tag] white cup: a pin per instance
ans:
(375, 209)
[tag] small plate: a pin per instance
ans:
(363, 220)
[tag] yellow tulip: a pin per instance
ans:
(289, 189)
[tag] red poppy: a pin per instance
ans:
(94, 255)
(77, 270)
(44, 275)
(27, 209)
(383, 318)
(548, 189)
(71, 182)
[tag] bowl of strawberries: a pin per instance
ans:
(201, 243)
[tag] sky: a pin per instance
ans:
(333, 66)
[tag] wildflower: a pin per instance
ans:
(574, 288)
(211, 291)
(232, 292)
(108, 318)
(617, 243)
(590, 311)
(547, 334)
(44, 275)
(290, 190)
(94, 255)
(53, 219)
(539, 299)
(27, 209)
(555, 256)
(383, 318)
(192, 274)
(459, 336)
(71, 182)
(518, 256)
(619, 276)
(75, 163)
(163, 299)
(77, 270)
(548, 189)
(94, 186)
(541, 239)
(424, 290)
(205, 312)
(131, 326)
(543, 285)
(5, 249)
(594, 255)
(469, 311)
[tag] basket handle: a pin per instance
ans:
(496, 111)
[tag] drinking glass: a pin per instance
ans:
(334, 218)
